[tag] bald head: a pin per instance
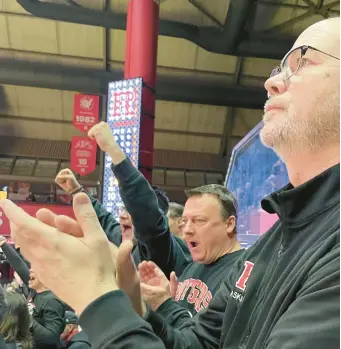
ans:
(324, 35)
(303, 113)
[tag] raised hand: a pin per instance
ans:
(155, 286)
(67, 263)
(124, 267)
(101, 133)
(67, 181)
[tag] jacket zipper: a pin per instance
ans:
(248, 331)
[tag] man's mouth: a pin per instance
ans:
(193, 244)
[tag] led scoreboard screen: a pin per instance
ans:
(123, 117)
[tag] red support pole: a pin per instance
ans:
(141, 61)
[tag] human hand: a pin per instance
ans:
(155, 286)
(124, 266)
(67, 181)
(61, 260)
(103, 136)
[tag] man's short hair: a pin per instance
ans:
(162, 199)
(175, 210)
(71, 318)
(227, 200)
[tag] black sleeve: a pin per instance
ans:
(173, 313)
(313, 319)
(49, 334)
(16, 262)
(117, 326)
(109, 224)
(155, 242)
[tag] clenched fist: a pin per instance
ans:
(67, 181)
(101, 133)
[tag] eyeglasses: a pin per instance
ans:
(294, 61)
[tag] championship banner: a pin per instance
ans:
(123, 117)
(85, 111)
(83, 155)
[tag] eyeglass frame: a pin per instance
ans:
(304, 49)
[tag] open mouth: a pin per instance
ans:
(193, 244)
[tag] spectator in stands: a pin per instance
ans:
(72, 337)
(31, 197)
(15, 322)
(174, 216)
(46, 309)
(50, 199)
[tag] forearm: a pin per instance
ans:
(108, 222)
(16, 262)
(43, 335)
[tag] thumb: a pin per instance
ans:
(124, 262)
(174, 282)
(86, 217)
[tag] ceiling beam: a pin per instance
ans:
(231, 40)
(90, 80)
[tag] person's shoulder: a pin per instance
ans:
(51, 298)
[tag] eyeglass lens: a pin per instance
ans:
(290, 65)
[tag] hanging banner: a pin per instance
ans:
(85, 111)
(123, 117)
(83, 155)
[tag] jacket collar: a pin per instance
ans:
(295, 205)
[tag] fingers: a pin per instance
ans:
(87, 218)
(14, 213)
(68, 225)
(64, 224)
(124, 262)
(64, 175)
(174, 282)
(146, 271)
(30, 232)
(46, 216)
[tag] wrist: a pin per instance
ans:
(116, 154)
(76, 191)
(157, 304)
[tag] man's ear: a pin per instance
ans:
(231, 224)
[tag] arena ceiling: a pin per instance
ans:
(213, 59)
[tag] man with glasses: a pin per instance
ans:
(285, 290)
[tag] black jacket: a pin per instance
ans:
(48, 320)
(47, 310)
(154, 240)
(78, 341)
(284, 293)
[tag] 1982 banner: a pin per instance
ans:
(83, 155)
(85, 111)
(123, 117)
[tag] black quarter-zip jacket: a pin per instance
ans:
(284, 293)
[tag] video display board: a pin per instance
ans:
(123, 117)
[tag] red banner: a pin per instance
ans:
(85, 111)
(31, 209)
(83, 155)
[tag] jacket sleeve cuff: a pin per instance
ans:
(124, 170)
(113, 313)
